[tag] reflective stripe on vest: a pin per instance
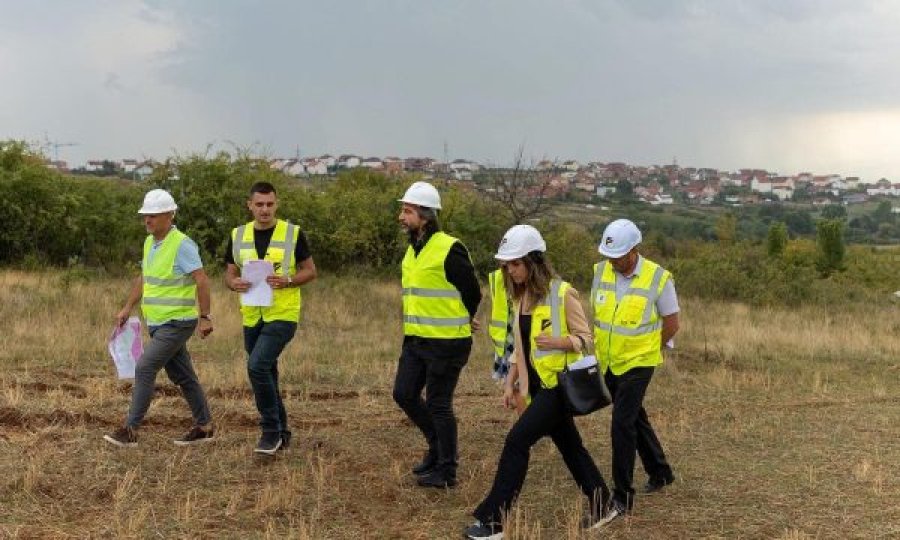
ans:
(287, 302)
(627, 331)
(549, 362)
(501, 317)
(432, 306)
(166, 296)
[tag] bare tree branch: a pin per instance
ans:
(522, 189)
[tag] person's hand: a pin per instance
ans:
(549, 342)
(509, 397)
(239, 285)
(277, 282)
(476, 324)
(205, 328)
(122, 317)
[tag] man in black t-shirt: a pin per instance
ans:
(268, 329)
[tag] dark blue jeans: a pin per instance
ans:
(263, 343)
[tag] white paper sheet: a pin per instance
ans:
(260, 292)
(585, 362)
(125, 347)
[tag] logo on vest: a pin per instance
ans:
(601, 298)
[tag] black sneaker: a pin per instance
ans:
(437, 479)
(197, 435)
(656, 483)
(269, 443)
(124, 437)
(427, 465)
(613, 511)
(285, 440)
(484, 531)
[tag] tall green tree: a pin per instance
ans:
(777, 239)
(830, 244)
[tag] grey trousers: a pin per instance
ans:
(166, 350)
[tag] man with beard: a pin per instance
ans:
(440, 297)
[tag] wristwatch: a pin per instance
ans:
(207, 317)
(290, 280)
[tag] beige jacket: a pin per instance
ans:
(578, 327)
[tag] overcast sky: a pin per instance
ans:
(787, 85)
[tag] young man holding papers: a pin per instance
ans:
(268, 325)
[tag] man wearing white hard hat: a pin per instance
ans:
(173, 291)
(440, 298)
(635, 311)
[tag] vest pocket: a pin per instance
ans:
(631, 311)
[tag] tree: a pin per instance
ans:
(521, 190)
(777, 239)
(624, 190)
(834, 211)
(726, 229)
(882, 213)
(799, 222)
(15, 155)
(801, 194)
(830, 244)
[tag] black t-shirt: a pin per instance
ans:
(534, 381)
(261, 239)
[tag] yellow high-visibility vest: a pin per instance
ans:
(432, 306)
(501, 316)
(549, 318)
(628, 332)
(286, 303)
(167, 296)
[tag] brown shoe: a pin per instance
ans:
(196, 435)
(124, 437)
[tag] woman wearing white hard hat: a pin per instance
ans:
(635, 311)
(550, 331)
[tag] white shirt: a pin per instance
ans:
(666, 304)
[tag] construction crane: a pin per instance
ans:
(55, 145)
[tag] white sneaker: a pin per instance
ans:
(484, 531)
(615, 510)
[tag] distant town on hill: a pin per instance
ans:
(654, 184)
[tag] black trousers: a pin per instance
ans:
(545, 415)
(631, 431)
(418, 369)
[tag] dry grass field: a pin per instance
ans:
(779, 424)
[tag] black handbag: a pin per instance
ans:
(584, 390)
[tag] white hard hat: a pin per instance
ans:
(158, 201)
(519, 241)
(422, 194)
(619, 238)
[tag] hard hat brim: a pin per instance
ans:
(612, 254)
(146, 211)
(419, 203)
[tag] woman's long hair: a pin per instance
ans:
(537, 286)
